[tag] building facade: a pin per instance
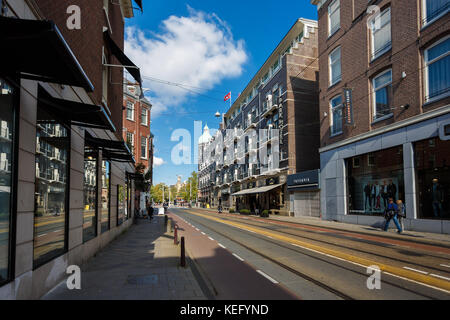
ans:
(64, 188)
(269, 133)
(136, 125)
(384, 110)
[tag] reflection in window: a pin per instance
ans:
(432, 158)
(90, 197)
(106, 194)
(121, 204)
(437, 70)
(382, 87)
(373, 178)
(6, 160)
(52, 147)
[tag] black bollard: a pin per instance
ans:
(175, 235)
(183, 255)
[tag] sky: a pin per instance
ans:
(191, 54)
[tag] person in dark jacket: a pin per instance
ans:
(437, 197)
(367, 198)
(392, 214)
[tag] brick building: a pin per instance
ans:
(65, 172)
(384, 110)
(136, 124)
(269, 133)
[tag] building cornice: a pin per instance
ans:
(398, 125)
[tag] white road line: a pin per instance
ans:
(251, 231)
(445, 265)
(438, 276)
(221, 245)
(210, 238)
(197, 229)
(270, 237)
(41, 235)
(266, 276)
(414, 281)
(203, 233)
(420, 271)
(234, 254)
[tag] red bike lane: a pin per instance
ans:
(232, 278)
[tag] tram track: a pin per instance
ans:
(398, 260)
(339, 293)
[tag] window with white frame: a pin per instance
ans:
(144, 147)
(130, 140)
(335, 66)
(336, 115)
(334, 17)
(380, 32)
(434, 9)
(382, 94)
(437, 69)
(130, 110)
(144, 116)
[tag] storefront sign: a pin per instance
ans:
(272, 181)
(348, 106)
(304, 179)
(444, 130)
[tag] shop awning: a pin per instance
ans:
(256, 190)
(123, 59)
(111, 149)
(35, 49)
(75, 113)
(139, 3)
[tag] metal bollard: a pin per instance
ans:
(175, 236)
(183, 255)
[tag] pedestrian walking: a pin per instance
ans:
(391, 213)
(401, 213)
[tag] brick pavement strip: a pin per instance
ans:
(140, 264)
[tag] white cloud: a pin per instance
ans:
(198, 50)
(158, 161)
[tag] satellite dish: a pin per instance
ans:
(217, 114)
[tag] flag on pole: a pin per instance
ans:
(227, 97)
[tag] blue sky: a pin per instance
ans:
(210, 48)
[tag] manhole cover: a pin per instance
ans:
(143, 280)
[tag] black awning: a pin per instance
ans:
(35, 49)
(135, 176)
(139, 3)
(111, 149)
(75, 113)
(123, 59)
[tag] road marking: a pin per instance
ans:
(444, 265)
(420, 271)
(270, 237)
(210, 238)
(266, 276)
(197, 229)
(234, 254)
(438, 276)
(203, 233)
(417, 277)
(41, 235)
(221, 245)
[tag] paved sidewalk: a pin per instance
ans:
(142, 264)
(317, 222)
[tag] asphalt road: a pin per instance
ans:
(305, 262)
